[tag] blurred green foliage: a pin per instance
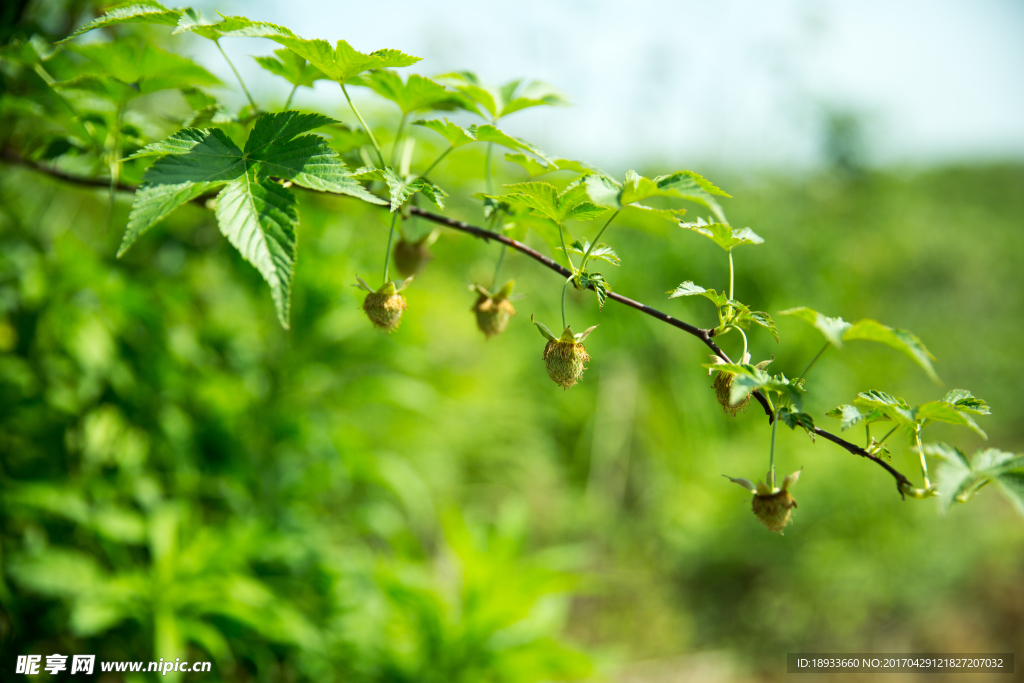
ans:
(181, 477)
(332, 502)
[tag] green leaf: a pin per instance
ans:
(140, 11)
(418, 93)
(832, 328)
(901, 340)
(456, 135)
(228, 27)
(259, 218)
(943, 411)
(797, 419)
(959, 480)
(967, 402)
(497, 102)
(140, 67)
(489, 133)
(851, 415)
(342, 62)
(601, 251)
(893, 407)
(401, 190)
(725, 236)
(687, 185)
(256, 214)
(596, 282)
(306, 160)
(531, 165)
(690, 289)
(544, 198)
(291, 67)
(759, 318)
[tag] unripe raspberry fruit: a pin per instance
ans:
(772, 506)
(493, 311)
(384, 306)
(565, 356)
(411, 257)
(774, 510)
(565, 362)
(723, 386)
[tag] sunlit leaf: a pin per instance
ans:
(291, 67)
(725, 236)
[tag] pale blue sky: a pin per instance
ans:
(736, 83)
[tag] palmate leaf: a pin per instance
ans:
(418, 93)
(837, 330)
(256, 214)
(545, 200)
(140, 11)
(601, 251)
(497, 102)
(687, 185)
(849, 416)
(722, 234)
(794, 419)
(342, 62)
(291, 67)
(688, 288)
(458, 136)
(959, 479)
(191, 21)
(958, 411)
(139, 68)
(596, 282)
(832, 328)
(259, 218)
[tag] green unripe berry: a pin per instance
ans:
(774, 510)
(565, 361)
(411, 257)
(493, 311)
(384, 307)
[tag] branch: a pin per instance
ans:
(486, 235)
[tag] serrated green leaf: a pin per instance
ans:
(140, 67)
(544, 198)
(746, 316)
(601, 251)
(140, 11)
(941, 411)
(901, 340)
(967, 402)
(228, 27)
(531, 165)
(725, 236)
(893, 407)
(259, 218)
(342, 62)
(291, 67)
(596, 282)
(796, 419)
(687, 185)
(851, 415)
(401, 190)
(418, 93)
(456, 135)
(688, 288)
(832, 328)
(489, 133)
(497, 102)
(959, 480)
(256, 214)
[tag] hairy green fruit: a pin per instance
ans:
(774, 510)
(493, 311)
(411, 257)
(565, 356)
(772, 505)
(723, 387)
(384, 307)
(565, 362)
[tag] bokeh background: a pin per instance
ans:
(179, 474)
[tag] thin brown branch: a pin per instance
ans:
(702, 334)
